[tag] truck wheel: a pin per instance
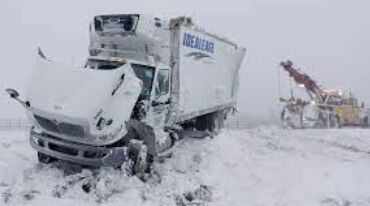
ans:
(45, 159)
(176, 133)
(138, 154)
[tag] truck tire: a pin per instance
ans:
(137, 153)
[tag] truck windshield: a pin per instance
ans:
(335, 100)
(143, 72)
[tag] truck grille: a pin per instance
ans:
(63, 128)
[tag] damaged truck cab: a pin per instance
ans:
(146, 79)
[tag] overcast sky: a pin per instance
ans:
(328, 39)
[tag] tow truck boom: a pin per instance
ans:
(303, 79)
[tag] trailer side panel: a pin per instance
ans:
(208, 73)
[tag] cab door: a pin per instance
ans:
(161, 97)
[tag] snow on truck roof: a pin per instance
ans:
(171, 23)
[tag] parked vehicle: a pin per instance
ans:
(332, 107)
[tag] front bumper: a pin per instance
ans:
(69, 151)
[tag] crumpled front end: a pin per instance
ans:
(77, 113)
(82, 105)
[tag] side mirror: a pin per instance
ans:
(12, 93)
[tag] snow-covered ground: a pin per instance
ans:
(261, 166)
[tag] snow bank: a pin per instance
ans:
(261, 166)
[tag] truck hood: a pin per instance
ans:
(83, 93)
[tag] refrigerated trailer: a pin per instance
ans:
(146, 80)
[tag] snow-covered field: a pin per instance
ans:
(261, 166)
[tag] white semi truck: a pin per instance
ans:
(144, 82)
